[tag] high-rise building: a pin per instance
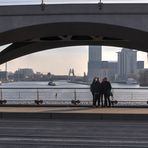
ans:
(99, 68)
(127, 63)
(140, 65)
(94, 62)
(112, 70)
(95, 53)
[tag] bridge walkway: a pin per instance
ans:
(115, 113)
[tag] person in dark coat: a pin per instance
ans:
(106, 91)
(95, 89)
(92, 89)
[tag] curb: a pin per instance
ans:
(74, 116)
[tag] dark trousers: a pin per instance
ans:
(107, 101)
(94, 100)
(101, 99)
(97, 99)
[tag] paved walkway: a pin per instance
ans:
(84, 110)
(72, 113)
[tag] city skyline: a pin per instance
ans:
(76, 57)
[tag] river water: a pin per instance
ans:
(64, 93)
(40, 84)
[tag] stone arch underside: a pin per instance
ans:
(36, 38)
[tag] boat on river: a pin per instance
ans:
(51, 83)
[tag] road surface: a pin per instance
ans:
(37, 133)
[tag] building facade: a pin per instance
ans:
(22, 74)
(127, 63)
(99, 68)
(94, 62)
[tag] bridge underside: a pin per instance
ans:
(48, 36)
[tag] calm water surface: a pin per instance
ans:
(39, 84)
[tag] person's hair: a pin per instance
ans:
(105, 79)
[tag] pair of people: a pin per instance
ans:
(101, 92)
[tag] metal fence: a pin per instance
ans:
(70, 96)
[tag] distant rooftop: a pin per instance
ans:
(28, 2)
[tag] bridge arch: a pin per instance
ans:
(30, 39)
(30, 28)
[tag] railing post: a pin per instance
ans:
(75, 101)
(56, 96)
(38, 97)
(38, 101)
(19, 95)
(75, 95)
(131, 95)
(1, 95)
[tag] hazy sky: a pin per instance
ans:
(60, 60)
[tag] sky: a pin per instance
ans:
(60, 60)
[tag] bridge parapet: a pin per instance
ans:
(70, 96)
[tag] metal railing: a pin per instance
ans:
(70, 96)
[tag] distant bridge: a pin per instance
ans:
(33, 28)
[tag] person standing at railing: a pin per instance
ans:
(95, 89)
(92, 89)
(106, 91)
